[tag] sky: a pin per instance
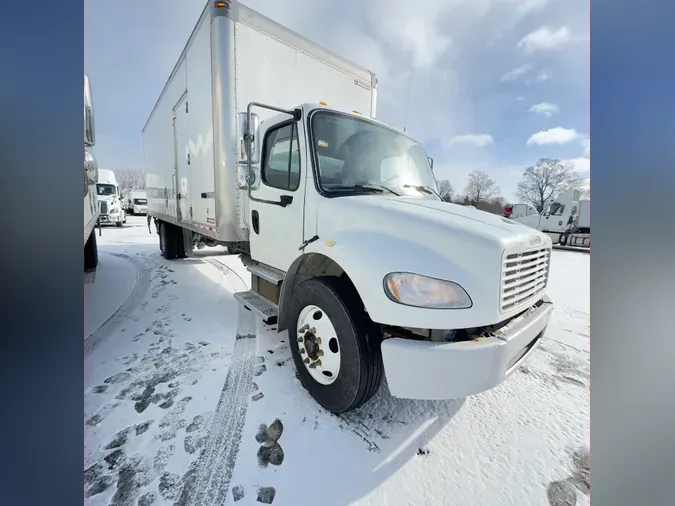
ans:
(489, 85)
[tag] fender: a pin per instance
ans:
(367, 257)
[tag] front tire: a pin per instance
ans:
(340, 371)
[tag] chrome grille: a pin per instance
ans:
(524, 276)
(103, 207)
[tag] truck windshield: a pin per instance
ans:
(105, 189)
(357, 156)
(140, 202)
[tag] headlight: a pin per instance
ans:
(114, 211)
(421, 291)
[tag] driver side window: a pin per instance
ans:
(558, 211)
(281, 163)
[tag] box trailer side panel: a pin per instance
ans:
(159, 148)
(197, 185)
(304, 73)
(288, 73)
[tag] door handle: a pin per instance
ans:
(188, 159)
(255, 221)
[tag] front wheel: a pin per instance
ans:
(336, 349)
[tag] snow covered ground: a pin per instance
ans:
(180, 412)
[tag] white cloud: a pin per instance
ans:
(478, 140)
(545, 108)
(580, 165)
(586, 143)
(545, 39)
(557, 135)
(514, 74)
(539, 78)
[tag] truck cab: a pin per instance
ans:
(567, 213)
(109, 199)
(352, 247)
(136, 202)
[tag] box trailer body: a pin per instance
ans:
(266, 143)
(232, 59)
(91, 211)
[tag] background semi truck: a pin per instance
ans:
(91, 212)
(109, 199)
(266, 143)
(567, 219)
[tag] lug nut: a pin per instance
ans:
(306, 361)
(312, 365)
(301, 339)
(302, 351)
(318, 340)
(320, 354)
(313, 330)
(317, 363)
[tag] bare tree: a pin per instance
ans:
(547, 178)
(494, 206)
(445, 190)
(130, 179)
(481, 188)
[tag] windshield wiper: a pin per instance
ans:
(368, 187)
(423, 189)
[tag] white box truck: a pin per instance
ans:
(136, 202)
(266, 143)
(567, 219)
(91, 211)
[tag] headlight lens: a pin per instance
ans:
(421, 291)
(114, 211)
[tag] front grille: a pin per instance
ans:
(524, 276)
(104, 207)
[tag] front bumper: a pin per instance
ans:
(433, 370)
(107, 219)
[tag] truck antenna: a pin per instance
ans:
(407, 102)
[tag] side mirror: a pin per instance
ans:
(431, 162)
(90, 167)
(254, 130)
(89, 130)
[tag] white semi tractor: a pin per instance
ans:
(266, 143)
(109, 199)
(91, 211)
(567, 219)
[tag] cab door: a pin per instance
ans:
(276, 217)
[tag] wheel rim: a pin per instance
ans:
(318, 345)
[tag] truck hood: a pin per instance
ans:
(421, 215)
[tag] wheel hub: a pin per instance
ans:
(315, 330)
(312, 345)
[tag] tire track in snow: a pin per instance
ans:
(132, 302)
(216, 463)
